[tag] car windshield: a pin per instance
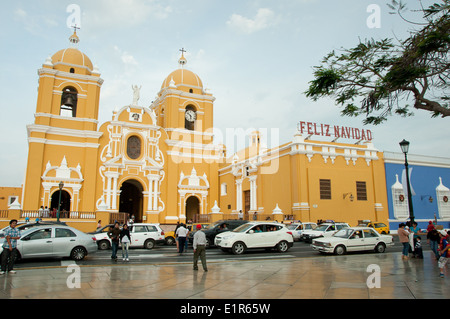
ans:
(321, 227)
(344, 233)
(292, 226)
(210, 226)
(242, 228)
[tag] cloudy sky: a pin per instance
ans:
(256, 57)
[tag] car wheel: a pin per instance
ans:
(339, 250)
(282, 246)
(208, 243)
(238, 248)
(170, 241)
(78, 253)
(104, 245)
(380, 248)
(149, 244)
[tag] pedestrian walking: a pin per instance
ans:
(125, 240)
(9, 254)
(199, 247)
(403, 236)
(176, 236)
(99, 224)
(414, 229)
(114, 235)
(443, 252)
(182, 233)
(433, 240)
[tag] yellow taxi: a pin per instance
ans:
(169, 237)
(380, 227)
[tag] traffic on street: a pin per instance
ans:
(169, 254)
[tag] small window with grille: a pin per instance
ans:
(361, 191)
(325, 189)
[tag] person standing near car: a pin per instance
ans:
(182, 233)
(8, 256)
(403, 236)
(125, 240)
(114, 235)
(199, 247)
(433, 239)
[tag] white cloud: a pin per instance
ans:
(34, 23)
(264, 19)
(123, 13)
(125, 57)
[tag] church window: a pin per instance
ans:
(134, 147)
(69, 100)
(191, 91)
(72, 70)
(223, 189)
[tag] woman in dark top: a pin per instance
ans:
(125, 240)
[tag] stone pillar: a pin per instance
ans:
(238, 195)
(253, 199)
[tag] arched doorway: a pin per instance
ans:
(65, 201)
(131, 199)
(192, 208)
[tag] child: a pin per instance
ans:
(443, 252)
(418, 248)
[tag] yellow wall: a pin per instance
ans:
(294, 183)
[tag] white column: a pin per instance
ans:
(239, 194)
(155, 194)
(253, 202)
(150, 192)
(108, 191)
(114, 194)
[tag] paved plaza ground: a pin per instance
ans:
(322, 277)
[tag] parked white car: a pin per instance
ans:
(298, 229)
(54, 241)
(322, 230)
(255, 235)
(142, 235)
(353, 239)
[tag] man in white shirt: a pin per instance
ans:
(199, 248)
(181, 233)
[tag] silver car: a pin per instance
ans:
(55, 241)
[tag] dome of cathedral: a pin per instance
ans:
(182, 77)
(72, 55)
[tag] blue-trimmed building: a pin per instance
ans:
(430, 183)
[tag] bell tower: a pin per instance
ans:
(63, 140)
(184, 109)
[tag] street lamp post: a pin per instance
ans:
(404, 145)
(61, 185)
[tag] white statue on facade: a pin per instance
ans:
(136, 93)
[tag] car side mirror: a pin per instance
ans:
(251, 231)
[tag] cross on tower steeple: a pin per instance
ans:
(74, 39)
(182, 61)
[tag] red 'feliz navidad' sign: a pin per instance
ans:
(335, 131)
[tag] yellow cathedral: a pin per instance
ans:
(159, 162)
(155, 163)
